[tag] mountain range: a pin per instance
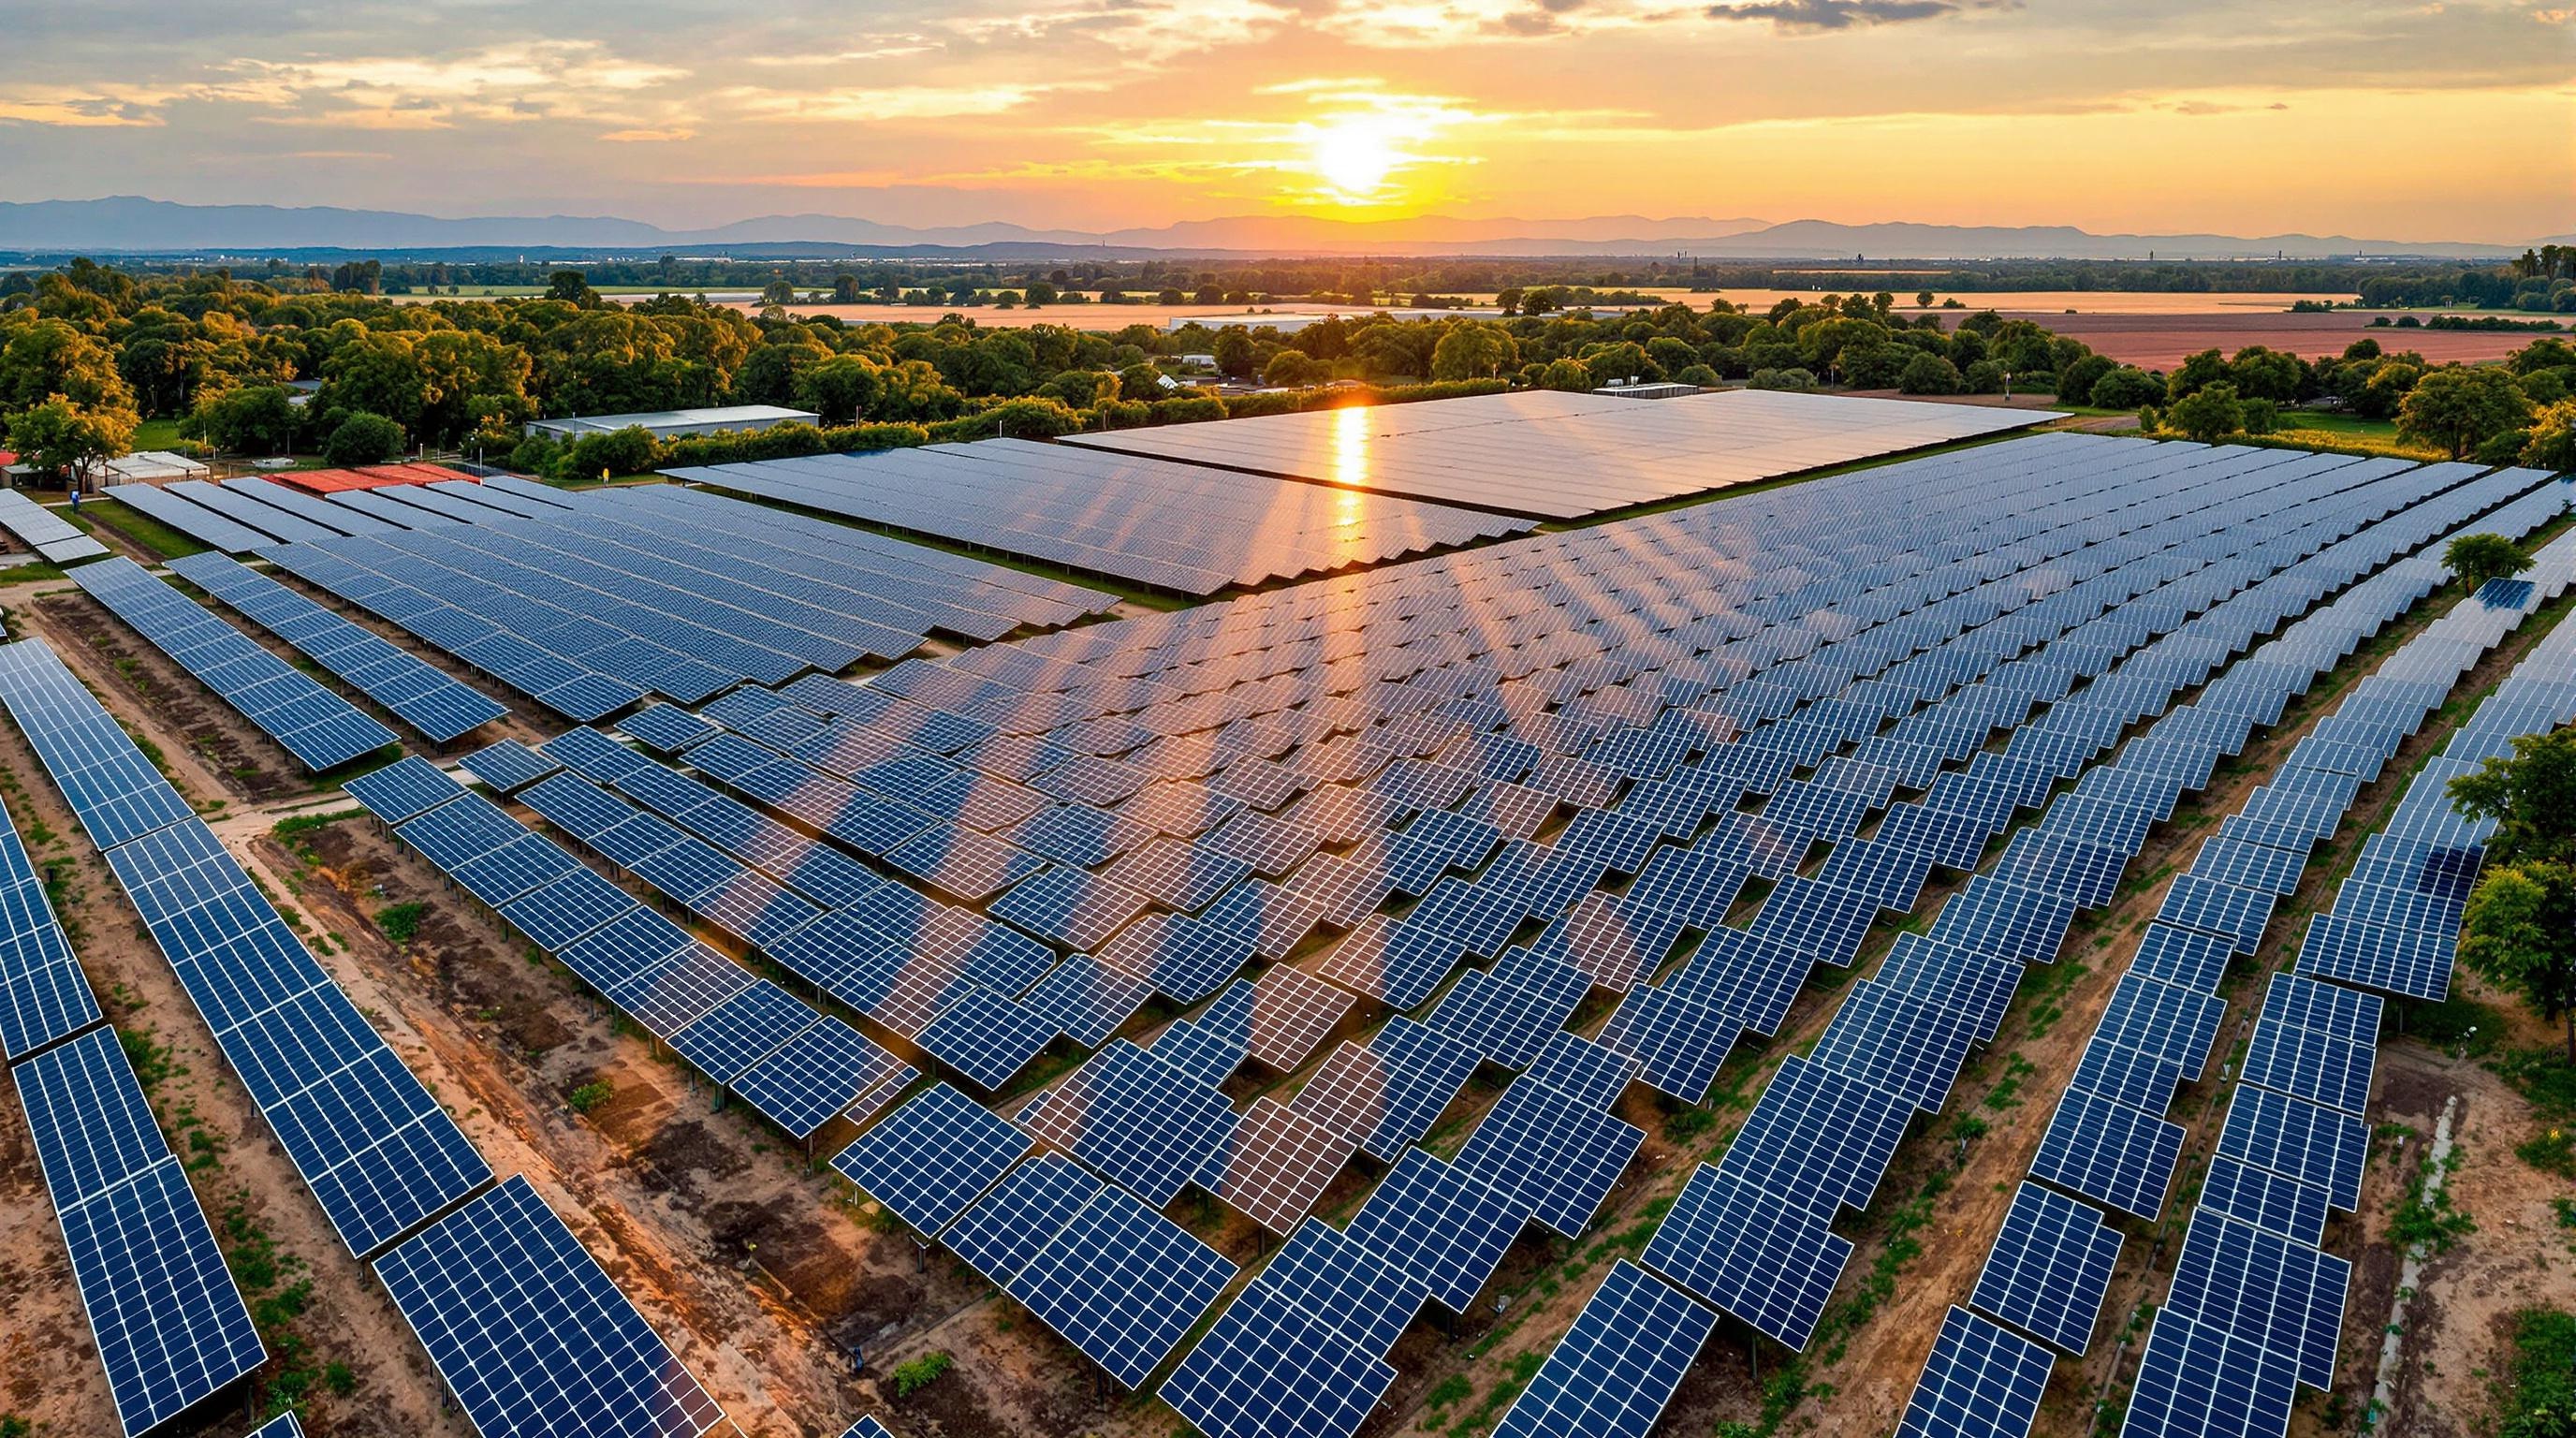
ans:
(129, 224)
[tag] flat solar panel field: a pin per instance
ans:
(1480, 975)
(1556, 455)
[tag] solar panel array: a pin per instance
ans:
(1560, 455)
(659, 590)
(379, 1154)
(1179, 527)
(170, 1326)
(321, 729)
(377, 1150)
(2109, 1141)
(437, 704)
(796, 1067)
(55, 539)
(1083, 749)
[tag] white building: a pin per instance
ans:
(673, 423)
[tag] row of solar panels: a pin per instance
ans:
(791, 1064)
(242, 516)
(1172, 526)
(416, 692)
(170, 1326)
(2255, 1306)
(55, 539)
(1718, 1231)
(661, 590)
(1114, 1127)
(524, 1327)
(321, 729)
(2295, 1140)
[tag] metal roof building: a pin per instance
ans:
(672, 423)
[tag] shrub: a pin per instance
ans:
(362, 439)
(1788, 379)
(1928, 374)
(920, 1373)
(400, 922)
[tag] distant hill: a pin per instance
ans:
(133, 225)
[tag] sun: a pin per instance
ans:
(1354, 157)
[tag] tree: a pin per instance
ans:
(1237, 357)
(2519, 933)
(1289, 369)
(842, 389)
(247, 419)
(2461, 406)
(631, 450)
(2531, 796)
(1565, 374)
(2126, 387)
(2553, 437)
(2195, 373)
(1473, 351)
(1928, 374)
(2207, 414)
(363, 438)
(59, 434)
(573, 288)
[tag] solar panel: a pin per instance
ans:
(1678, 1042)
(1750, 1254)
(1443, 1225)
(929, 1159)
(817, 1074)
(1559, 1157)
(2297, 1139)
(1898, 1041)
(2294, 1210)
(169, 1324)
(2050, 1268)
(1278, 1163)
(509, 765)
(987, 1037)
(1122, 1283)
(1137, 1121)
(1980, 1382)
(2163, 1019)
(405, 789)
(527, 1331)
(1618, 1364)
(2405, 962)
(2283, 1296)
(1300, 1351)
(1031, 1205)
(2110, 1153)
(1818, 1139)
(2197, 1380)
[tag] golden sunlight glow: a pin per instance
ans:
(1355, 155)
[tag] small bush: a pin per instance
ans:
(920, 1373)
(401, 922)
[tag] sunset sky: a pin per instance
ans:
(2453, 120)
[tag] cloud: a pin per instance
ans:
(1842, 14)
(910, 102)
